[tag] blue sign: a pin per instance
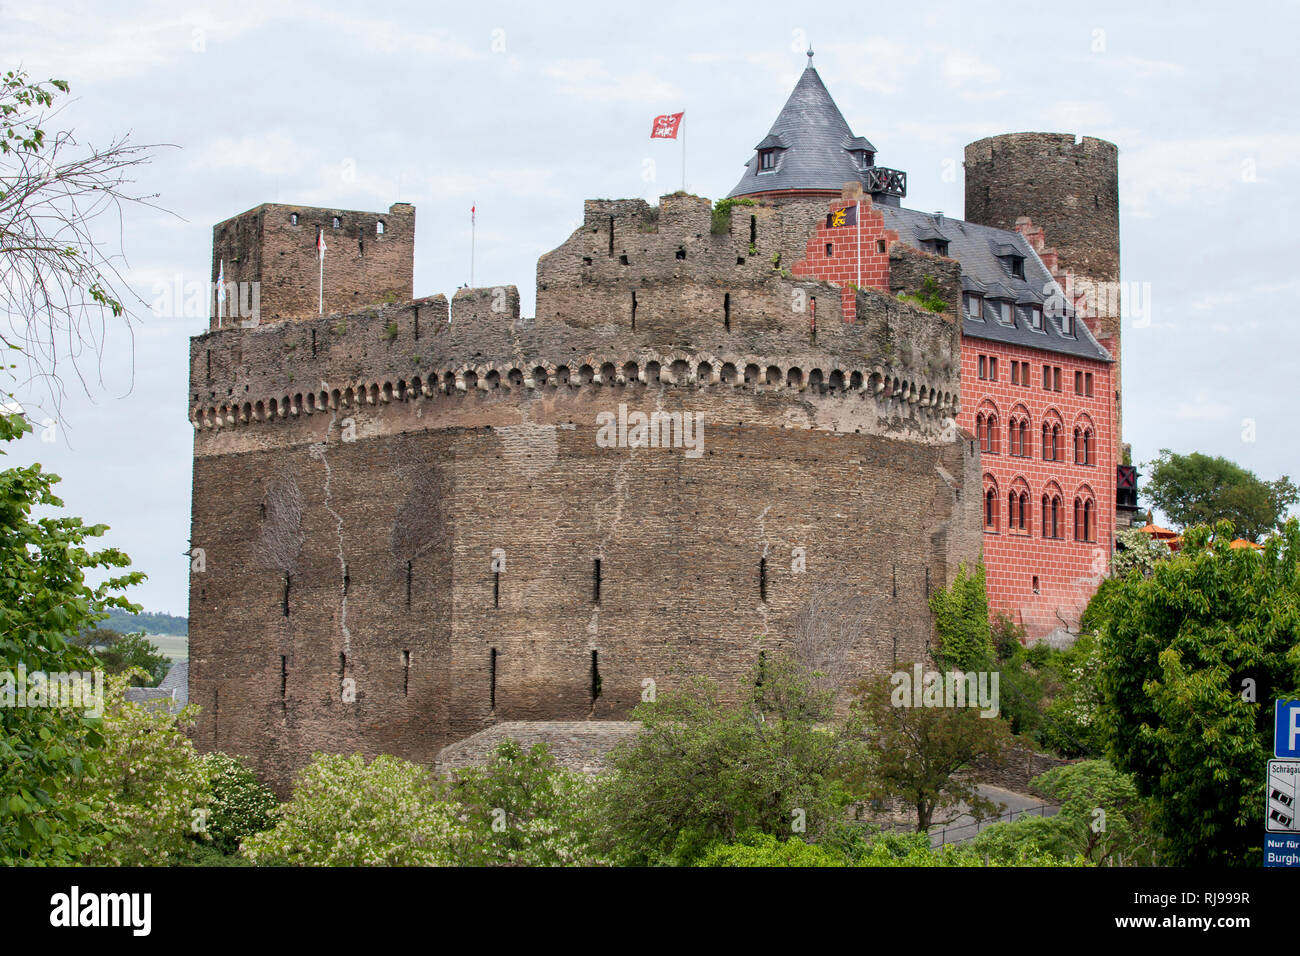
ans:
(1286, 730)
(1281, 849)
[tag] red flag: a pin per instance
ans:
(665, 126)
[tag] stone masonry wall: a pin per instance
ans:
(363, 265)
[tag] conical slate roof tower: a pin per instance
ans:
(810, 150)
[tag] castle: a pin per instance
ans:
(777, 422)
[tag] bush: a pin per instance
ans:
(522, 809)
(145, 785)
(763, 849)
(345, 812)
(702, 771)
(238, 806)
(961, 619)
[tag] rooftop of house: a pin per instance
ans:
(812, 147)
(814, 150)
(1000, 267)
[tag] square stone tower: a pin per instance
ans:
(269, 264)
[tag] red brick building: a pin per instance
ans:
(1039, 376)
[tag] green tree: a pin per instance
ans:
(238, 804)
(44, 602)
(1101, 820)
(1136, 550)
(703, 770)
(118, 653)
(345, 812)
(921, 754)
(961, 619)
(145, 783)
(523, 809)
(58, 288)
(1197, 489)
(1191, 659)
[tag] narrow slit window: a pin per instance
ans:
(634, 310)
(595, 581)
(726, 311)
(496, 589)
(762, 580)
(492, 679)
(406, 673)
(595, 677)
(284, 676)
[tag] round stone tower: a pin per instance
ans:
(1069, 189)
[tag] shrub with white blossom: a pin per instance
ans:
(345, 812)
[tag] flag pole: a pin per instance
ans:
(320, 306)
(683, 152)
(859, 244)
(471, 244)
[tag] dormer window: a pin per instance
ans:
(938, 246)
(971, 304)
(1067, 324)
(766, 160)
(1014, 266)
(866, 158)
(998, 309)
(1036, 317)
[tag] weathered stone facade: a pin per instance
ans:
(270, 265)
(415, 527)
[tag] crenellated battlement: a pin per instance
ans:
(898, 363)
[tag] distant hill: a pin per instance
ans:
(150, 623)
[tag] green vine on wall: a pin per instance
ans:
(722, 214)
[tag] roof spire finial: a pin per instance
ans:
(810, 54)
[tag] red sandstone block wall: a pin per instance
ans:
(1068, 570)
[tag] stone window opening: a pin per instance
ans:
(753, 231)
(893, 578)
(496, 589)
(406, 673)
(726, 311)
(634, 310)
(880, 247)
(611, 236)
(492, 680)
(681, 252)
(1035, 585)
(337, 222)
(293, 219)
(380, 227)
(762, 580)
(991, 510)
(830, 250)
(595, 677)
(595, 581)
(284, 677)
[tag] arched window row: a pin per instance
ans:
(1051, 519)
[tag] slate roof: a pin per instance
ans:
(813, 143)
(978, 248)
(172, 692)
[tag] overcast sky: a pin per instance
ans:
(526, 110)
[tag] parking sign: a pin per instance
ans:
(1286, 730)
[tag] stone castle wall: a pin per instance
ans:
(369, 258)
(414, 524)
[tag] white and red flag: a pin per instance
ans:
(666, 126)
(320, 243)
